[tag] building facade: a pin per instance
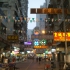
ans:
(41, 17)
(58, 25)
(12, 19)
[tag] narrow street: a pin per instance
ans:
(30, 65)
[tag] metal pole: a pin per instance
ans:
(65, 32)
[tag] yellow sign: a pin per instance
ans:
(49, 11)
(42, 47)
(60, 36)
(12, 37)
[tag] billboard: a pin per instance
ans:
(60, 36)
(12, 37)
(40, 47)
(27, 43)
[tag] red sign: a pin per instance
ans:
(60, 36)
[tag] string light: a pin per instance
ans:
(14, 18)
(33, 19)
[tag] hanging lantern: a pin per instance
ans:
(14, 18)
(52, 19)
(33, 19)
(18, 20)
(24, 18)
(30, 20)
(40, 19)
(21, 31)
(45, 20)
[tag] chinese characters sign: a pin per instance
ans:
(40, 47)
(12, 38)
(60, 36)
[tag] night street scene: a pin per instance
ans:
(34, 34)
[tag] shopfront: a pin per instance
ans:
(4, 47)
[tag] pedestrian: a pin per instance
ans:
(48, 64)
(14, 59)
(36, 59)
(39, 59)
(2, 59)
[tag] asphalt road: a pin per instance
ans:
(30, 65)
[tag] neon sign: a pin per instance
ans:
(38, 42)
(60, 36)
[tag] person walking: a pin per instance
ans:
(39, 59)
(47, 64)
(36, 59)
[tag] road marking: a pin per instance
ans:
(28, 66)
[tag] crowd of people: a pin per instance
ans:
(8, 59)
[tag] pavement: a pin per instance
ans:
(30, 64)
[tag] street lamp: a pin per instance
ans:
(66, 49)
(43, 31)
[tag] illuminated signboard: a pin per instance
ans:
(36, 31)
(43, 42)
(60, 36)
(27, 43)
(39, 42)
(42, 47)
(48, 11)
(12, 37)
(36, 42)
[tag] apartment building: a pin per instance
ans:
(41, 17)
(58, 26)
(13, 9)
